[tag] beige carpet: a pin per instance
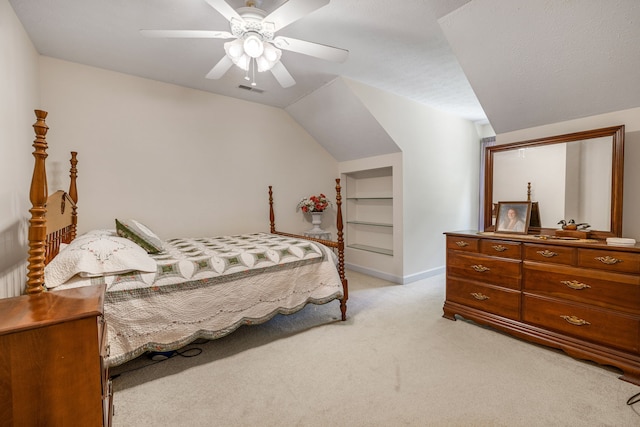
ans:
(395, 362)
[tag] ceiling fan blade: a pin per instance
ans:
(321, 51)
(220, 68)
(187, 34)
(282, 75)
(292, 11)
(224, 9)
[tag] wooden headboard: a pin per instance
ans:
(53, 218)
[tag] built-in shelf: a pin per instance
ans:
(371, 249)
(373, 224)
(370, 210)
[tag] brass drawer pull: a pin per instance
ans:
(547, 253)
(609, 260)
(480, 268)
(479, 296)
(500, 248)
(574, 284)
(462, 244)
(575, 320)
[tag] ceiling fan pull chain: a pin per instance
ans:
(253, 71)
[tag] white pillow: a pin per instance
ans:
(139, 234)
(101, 232)
(97, 255)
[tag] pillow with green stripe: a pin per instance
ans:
(139, 234)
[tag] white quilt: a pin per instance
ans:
(208, 287)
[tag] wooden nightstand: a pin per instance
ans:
(52, 363)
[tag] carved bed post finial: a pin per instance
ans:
(340, 226)
(528, 191)
(73, 193)
(271, 215)
(38, 196)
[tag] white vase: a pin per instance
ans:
(316, 220)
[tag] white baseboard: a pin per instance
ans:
(396, 279)
(423, 275)
(375, 273)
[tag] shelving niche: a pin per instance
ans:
(369, 212)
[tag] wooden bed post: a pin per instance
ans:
(38, 196)
(332, 244)
(73, 193)
(339, 226)
(272, 220)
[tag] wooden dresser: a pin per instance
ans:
(580, 297)
(52, 362)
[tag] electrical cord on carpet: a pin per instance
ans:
(634, 399)
(189, 352)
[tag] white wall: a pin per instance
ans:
(631, 119)
(441, 156)
(18, 98)
(182, 161)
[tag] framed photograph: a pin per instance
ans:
(513, 217)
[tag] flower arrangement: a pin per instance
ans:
(314, 203)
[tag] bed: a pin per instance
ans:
(163, 294)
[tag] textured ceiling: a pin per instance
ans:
(336, 118)
(526, 63)
(396, 46)
(538, 62)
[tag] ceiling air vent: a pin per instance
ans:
(251, 89)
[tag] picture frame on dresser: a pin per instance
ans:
(513, 217)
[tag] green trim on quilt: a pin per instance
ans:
(128, 232)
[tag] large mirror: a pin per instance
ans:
(575, 176)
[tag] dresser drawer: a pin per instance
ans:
(554, 254)
(494, 271)
(502, 249)
(502, 302)
(599, 288)
(467, 244)
(626, 262)
(592, 324)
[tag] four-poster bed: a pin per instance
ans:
(197, 273)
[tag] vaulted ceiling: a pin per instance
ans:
(517, 64)
(538, 62)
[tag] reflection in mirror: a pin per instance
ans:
(575, 176)
(569, 181)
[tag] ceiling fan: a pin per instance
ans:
(255, 45)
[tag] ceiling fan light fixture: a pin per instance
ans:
(234, 49)
(237, 52)
(268, 59)
(253, 46)
(243, 62)
(271, 53)
(262, 64)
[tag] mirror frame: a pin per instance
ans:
(617, 176)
